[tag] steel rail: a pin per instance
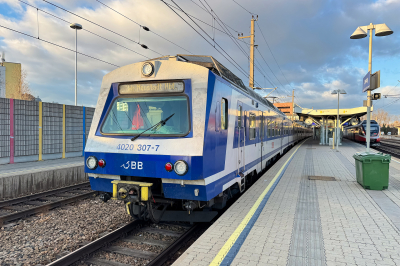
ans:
(44, 208)
(41, 194)
(175, 246)
(95, 245)
(393, 150)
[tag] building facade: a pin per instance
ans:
(13, 79)
(2, 82)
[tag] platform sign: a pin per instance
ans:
(366, 82)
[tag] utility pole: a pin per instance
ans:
(293, 104)
(251, 77)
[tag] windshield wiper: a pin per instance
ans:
(161, 123)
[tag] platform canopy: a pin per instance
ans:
(305, 114)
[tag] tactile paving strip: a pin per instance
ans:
(307, 247)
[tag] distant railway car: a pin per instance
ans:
(358, 132)
(176, 137)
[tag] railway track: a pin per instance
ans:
(133, 232)
(42, 202)
(391, 147)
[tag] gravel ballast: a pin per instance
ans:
(41, 238)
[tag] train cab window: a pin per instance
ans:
(240, 116)
(252, 126)
(224, 114)
(134, 115)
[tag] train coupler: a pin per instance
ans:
(131, 191)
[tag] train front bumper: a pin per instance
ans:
(131, 191)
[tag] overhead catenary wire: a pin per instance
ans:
(233, 38)
(116, 33)
(236, 65)
(50, 14)
(394, 86)
(269, 48)
(205, 9)
(142, 26)
(58, 45)
(251, 13)
(171, 6)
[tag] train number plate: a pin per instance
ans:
(137, 147)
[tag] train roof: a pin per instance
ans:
(220, 70)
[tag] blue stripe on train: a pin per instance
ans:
(177, 191)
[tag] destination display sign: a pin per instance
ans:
(151, 87)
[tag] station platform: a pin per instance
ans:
(32, 177)
(287, 219)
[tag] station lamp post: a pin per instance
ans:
(76, 27)
(359, 33)
(338, 92)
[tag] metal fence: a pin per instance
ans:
(32, 131)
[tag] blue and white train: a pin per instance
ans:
(176, 137)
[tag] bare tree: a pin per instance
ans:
(381, 117)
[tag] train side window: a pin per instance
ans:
(262, 126)
(217, 114)
(224, 114)
(252, 126)
(240, 116)
(272, 128)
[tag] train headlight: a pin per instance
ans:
(181, 167)
(91, 162)
(147, 69)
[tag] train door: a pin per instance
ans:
(241, 138)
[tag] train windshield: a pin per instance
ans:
(374, 130)
(132, 116)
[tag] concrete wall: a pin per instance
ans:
(22, 141)
(17, 185)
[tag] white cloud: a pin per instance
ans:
(312, 47)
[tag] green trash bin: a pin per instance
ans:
(372, 170)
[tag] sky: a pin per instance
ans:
(303, 45)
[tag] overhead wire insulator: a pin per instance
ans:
(144, 46)
(145, 28)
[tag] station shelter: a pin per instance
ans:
(324, 121)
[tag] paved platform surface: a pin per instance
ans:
(307, 222)
(39, 166)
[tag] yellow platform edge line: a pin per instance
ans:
(232, 239)
(63, 134)
(40, 130)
